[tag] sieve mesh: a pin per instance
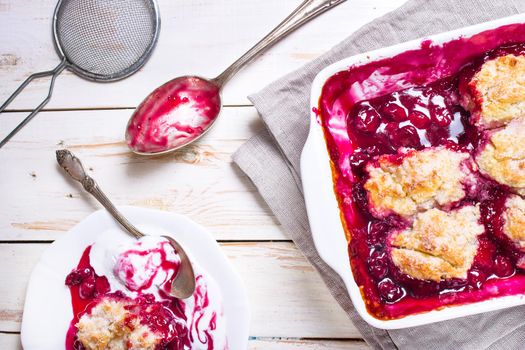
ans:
(106, 39)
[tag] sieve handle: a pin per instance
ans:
(54, 73)
(306, 11)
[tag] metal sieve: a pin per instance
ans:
(99, 40)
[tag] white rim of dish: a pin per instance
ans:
(321, 202)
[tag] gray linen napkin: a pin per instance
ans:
(271, 160)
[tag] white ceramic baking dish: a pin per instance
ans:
(321, 203)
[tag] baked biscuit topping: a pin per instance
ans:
(440, 245)
(496, 93)
(503, 157)
(424, 179)
(514, 220)
(111, 326)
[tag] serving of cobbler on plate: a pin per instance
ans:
(430, 176)
(120, 300)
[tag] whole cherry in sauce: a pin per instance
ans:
(88, 283)
(419, 119)
(378, 264)
(358, 160)
(394, 110)
(173, 115)
(78, 275)
(390, 291)
(377, 231)
(476, 278)
(484, 260)
(366, 118)
(404, 136)
(503, 266)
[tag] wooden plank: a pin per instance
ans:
(200, 181)
(281, 285)
(284, 288)
(9, 341)
(311, 344)
(197, 37)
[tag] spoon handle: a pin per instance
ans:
(306, 11)
(74, 168)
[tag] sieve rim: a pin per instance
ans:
(107, 77)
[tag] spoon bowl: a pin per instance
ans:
(183, 284)
(174, 115)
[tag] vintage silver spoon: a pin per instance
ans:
(183, 285)
(183, 109)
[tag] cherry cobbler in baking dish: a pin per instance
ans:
(429, 173)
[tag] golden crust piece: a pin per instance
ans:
(497, 92)
(424, 179)
(514, 220)
(110, 326)
(440, 245)
(503, 157)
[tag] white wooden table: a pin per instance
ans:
(292, 309)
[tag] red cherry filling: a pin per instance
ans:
(378, 264)
(366, 118)
(378, 148)
(89, 284)
(360, 197)
(390, 291)
(419, 119)
(521, 262)
(358, 160)
(484, 260)
(78, 275)
(503, 266)
(404, 136)
(102, 286)
(394, 111)
(87, 288)
(162, 320)
(376, 232)
(437, 136)
(476, 278)
(439, 112)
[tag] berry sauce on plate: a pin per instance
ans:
(412, 101)
(164, 315)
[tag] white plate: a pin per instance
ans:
(321, 202)
(47, 309)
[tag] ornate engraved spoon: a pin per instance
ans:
(183, 285)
